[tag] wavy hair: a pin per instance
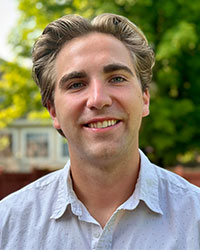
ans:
(59, 32)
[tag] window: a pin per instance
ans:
(6, 145)
(37, 143)
(64, 147)
(63, 152)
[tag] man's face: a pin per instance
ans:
(98, 100)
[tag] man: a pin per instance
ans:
(94, 80)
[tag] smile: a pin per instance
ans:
(103, 124)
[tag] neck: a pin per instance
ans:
(103, 188)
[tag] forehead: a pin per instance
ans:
(94, 49)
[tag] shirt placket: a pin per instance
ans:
(103, 239)
(96, 234)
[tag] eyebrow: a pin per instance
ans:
(114, 67)
(81, 74)
(70, 76)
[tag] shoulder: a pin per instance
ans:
(41, 188)
(25, 212)
(166, 179)
(178, 191)
(171, 179)
(30, 209)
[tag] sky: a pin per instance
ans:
(8, 18)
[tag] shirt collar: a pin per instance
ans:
(146, 189)
(149, 184)
(66, 195)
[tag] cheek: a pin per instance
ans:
(67, 117)
(136, 109)
(133, 103)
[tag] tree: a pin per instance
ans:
(172, 27)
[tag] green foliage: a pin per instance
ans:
(180, 37)
(171, 26)
(19, 94)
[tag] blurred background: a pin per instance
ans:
(170, 136)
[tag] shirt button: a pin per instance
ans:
(97, 234)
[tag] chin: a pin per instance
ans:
(104, 155)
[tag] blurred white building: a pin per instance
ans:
(31, 144)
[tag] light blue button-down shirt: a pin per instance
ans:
(163, 213)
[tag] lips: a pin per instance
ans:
(102, 124)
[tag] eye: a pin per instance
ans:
(117, 79)
(76, 85)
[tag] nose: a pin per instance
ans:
(98, 95)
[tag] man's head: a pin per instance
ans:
(94, 79)
(63, 30)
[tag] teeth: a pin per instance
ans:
(113, 122)
(99, 125)
(103, 124)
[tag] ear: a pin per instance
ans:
(52, 111)
(146, 101)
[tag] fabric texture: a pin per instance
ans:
(162, 213)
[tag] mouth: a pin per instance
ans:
(102, 124)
